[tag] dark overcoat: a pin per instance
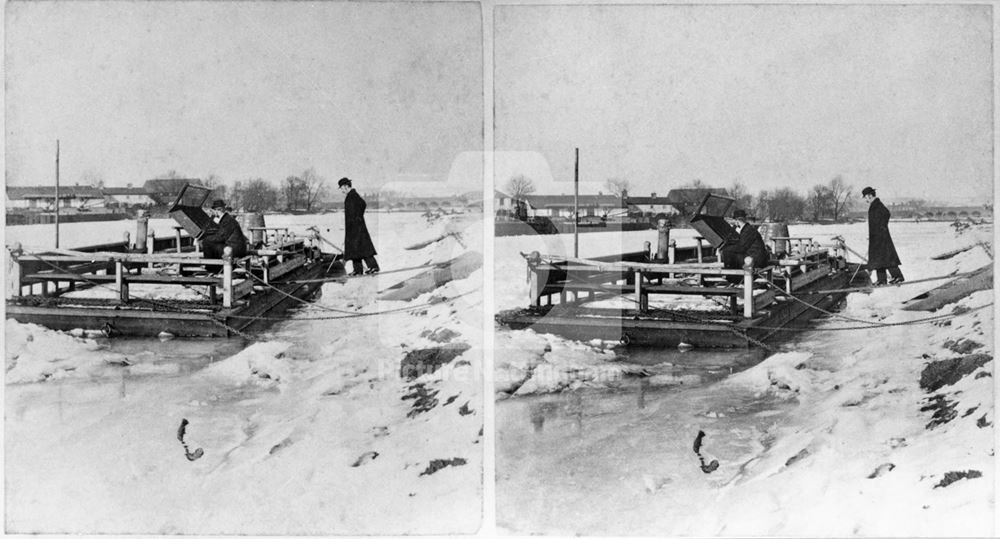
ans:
(227, 234)
(357, 241)
(748, 243)
(881, 251)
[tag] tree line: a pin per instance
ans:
(827, 201)
(301, 192)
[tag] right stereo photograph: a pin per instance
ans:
(743, 264)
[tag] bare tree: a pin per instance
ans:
(293, 193)
(820, 201)
(618, 186)
(258, 195)
(313, 184)
(841, 193)
(739, 192)
(520, 186)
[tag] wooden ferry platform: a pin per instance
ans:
(676, 296)
(165, 285)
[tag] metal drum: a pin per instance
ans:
(775, 230)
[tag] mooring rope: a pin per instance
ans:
(936, 318)
(873, 287)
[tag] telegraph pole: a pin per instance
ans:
(57, 193)
(576, 205)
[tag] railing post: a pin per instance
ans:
(698, 248)
(638, 290)
(227, 277)
(672, 255)
(150, 247)
(13, 287)
(748, 287)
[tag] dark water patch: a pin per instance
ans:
(439, 464)
(424, 399)
(943, 411)
(946, 372)
(962, 346)
(428, 360)
(951, 477)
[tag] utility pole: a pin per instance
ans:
(57, 193)
(576, 205)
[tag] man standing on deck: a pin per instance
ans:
(226, 233)
(881, 251)
(358, 244)
(748, 243)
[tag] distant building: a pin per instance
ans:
(562, 205)
(651, 205)
(43, 198)
(126, 197)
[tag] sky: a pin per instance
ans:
(896, 97)
(384, 92)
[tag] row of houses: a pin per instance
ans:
(676, 202)
(160, 193)
(93, 198)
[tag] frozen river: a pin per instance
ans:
(828, 436)
(308, 429)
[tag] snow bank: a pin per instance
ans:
(34, 353)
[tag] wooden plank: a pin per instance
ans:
(278, 270)
(649, 289)
(952, 291)
(142, 278)
(173, 258)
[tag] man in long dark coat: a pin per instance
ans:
(748, 243)
(881, 251)
(226, 233)
(358, 244)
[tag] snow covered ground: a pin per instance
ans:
(840, 433)
(310, 429)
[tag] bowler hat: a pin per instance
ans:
(867, 191)
(218, 204)
(343, 182)
(740, 214)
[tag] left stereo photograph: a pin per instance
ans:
(243, 268)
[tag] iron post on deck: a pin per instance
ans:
(748, 287)
(663, 238)
(141, 230)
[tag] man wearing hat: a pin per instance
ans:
(226, 233)
(358, 244)
(881, 251)
(748, 243)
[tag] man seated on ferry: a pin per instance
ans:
(226, 233)
(748, 243)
